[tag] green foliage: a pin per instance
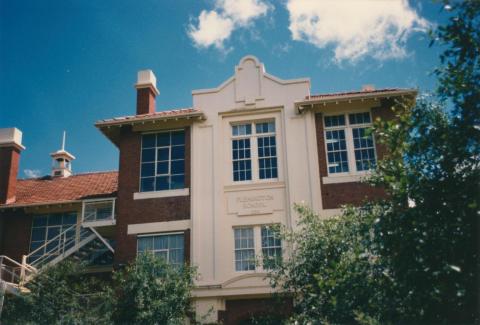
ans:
(151, 291)
(412, 258)
(334, 274)
(148, 291)
(62, 294)
(430, 246)
(459, 72)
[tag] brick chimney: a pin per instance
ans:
(10, 148)
(146, 92)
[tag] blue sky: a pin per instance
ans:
(65, 64)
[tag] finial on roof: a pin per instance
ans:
(63, 142)
(62, 160)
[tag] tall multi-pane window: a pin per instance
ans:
(349, 146)
(46, 228)
(362, 141)
(267, 150)
(244, 249)
(163, 161)
(241, 152)
(170, 247)
(254, 142)
(271, 247)
(262, 241)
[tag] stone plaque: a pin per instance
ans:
(247, 203)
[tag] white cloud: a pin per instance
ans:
(355, 28)
(212, 29)
(216, 26)
(32, 173)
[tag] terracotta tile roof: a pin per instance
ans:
(174, 113)
(49, 189)
(359, 92)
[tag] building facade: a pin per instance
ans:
(201, 185)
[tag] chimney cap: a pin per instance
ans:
(145, 79)
(11, 137)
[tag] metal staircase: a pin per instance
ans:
(14, 275)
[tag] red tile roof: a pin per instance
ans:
(360, 93)
(49, 189)
(174, 113)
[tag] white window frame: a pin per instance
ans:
(101, 222)
(348, 129)
(164, 250)
(258, 249)
(254, 149)
(235, 249)
(156, 162)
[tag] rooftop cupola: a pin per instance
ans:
(62, 161)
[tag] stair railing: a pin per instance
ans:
(13, 272)
(56, 246)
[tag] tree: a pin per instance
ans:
(333, 274)
(432, 247)
(61, 294)
(151, 291)
(422, 242)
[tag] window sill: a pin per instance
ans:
(161, 194)
(344, 178)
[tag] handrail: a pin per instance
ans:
(51, 240)
(2, 257)
(61, 246)
(16, 272)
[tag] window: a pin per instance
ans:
(254, 141)
(48, 227)
(244, 249)
(253, 241)
(271, 248)
(163, 161)
(98, 210)
(167, 246)
(346, 136)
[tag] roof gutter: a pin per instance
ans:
(29, 205)
(152, 119)
(302, 105)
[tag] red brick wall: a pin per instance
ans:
(335, 195)
(243, 310)
(145, 101)
(15, 236)
(130, 211)
(9, 161)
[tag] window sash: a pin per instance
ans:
(364, 149)
(349, 150)
(173, 249)
(156, 173)
(271, 248)
(244, 249)
(253, 241)
(257, 166)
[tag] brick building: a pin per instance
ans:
(198, 185)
